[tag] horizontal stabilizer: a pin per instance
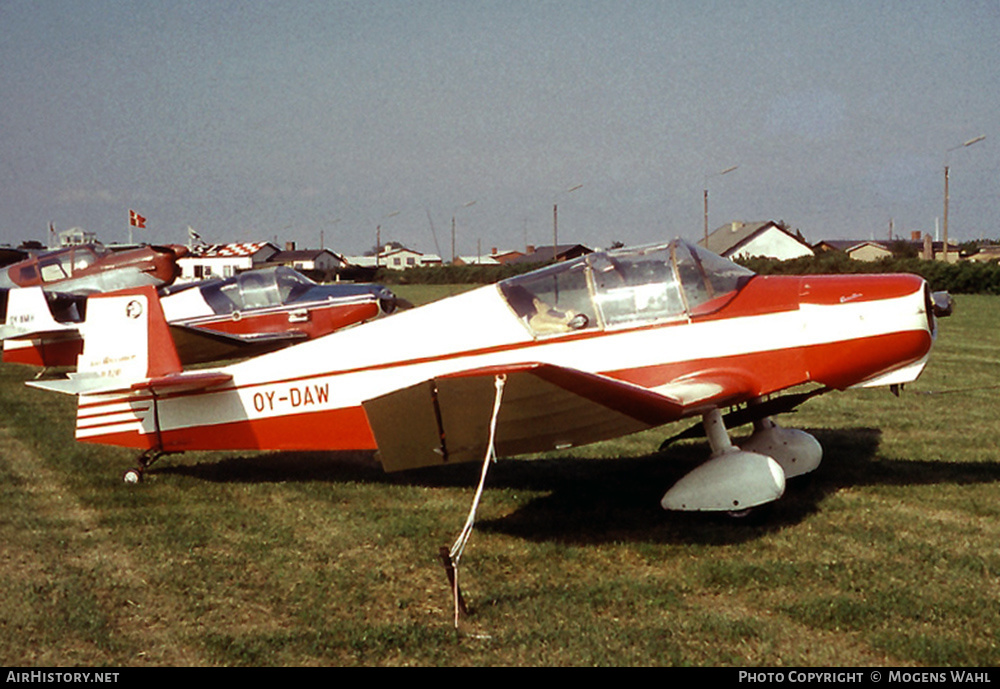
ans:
(78, 384)
(127, 346)
(544, 407)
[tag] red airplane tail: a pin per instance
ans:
(126, 346)
(129, 360)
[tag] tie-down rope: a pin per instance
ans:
(455, 554)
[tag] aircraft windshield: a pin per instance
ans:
(628, 286)
(255, 289)
(709, 280)
(64, 263)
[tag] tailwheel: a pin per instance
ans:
(134, 475)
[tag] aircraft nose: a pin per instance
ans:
(176, 250)
(873, 325)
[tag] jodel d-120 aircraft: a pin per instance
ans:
(605, 345)
(92, 268)
(210, 320)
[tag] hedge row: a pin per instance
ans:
(964, 277)
(452, 275)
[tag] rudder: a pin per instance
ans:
(126, 337)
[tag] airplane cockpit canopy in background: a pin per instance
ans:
(274, 287)
(55, 266)
(256, 289)
(656, 283)
(63, 265)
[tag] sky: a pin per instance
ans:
(346, 122)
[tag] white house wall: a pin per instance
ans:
(216, 267)
(773, 244)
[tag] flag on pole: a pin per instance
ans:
(193, 237)
(136, 220)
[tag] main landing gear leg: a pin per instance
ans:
(133, 476)
(732, 480)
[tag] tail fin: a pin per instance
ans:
(126, 337)
(128, 359)
(28, 314)
(126, 345)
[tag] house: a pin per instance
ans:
(308, 260)
(988, 253)
(484, 260)
(541, 254)
(76, 236)
(224, 260)
(868, 251)
(873, 250)
(401, 258)
(505, 255)
(765, 239)
(395, 256)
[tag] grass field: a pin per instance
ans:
(889, 554)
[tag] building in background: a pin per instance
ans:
(766, 239)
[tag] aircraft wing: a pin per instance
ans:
(198, 345)
(447, 419)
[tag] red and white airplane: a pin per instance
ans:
(582, 351)
(248, 314)
(91, 268)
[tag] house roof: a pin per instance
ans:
(731, 236)
(301, 255)
(484, 260)
(237, 250)
(840, 244)
(400, 250)
(544, 253)
(848, 245)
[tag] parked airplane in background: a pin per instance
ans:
(56, 283)
(586, 350)
(265, 309)
(92, 268)
(254, 312)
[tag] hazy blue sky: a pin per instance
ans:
(279, 120)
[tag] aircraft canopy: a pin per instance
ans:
(663, 282)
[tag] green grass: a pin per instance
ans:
(888, 554)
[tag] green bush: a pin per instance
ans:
(453, 275)
(964, 277)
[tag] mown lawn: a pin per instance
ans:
(889, 554)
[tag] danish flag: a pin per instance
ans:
(136, 220)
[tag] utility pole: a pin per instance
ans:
(555, 223)
(975, 140)
(705, 196)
